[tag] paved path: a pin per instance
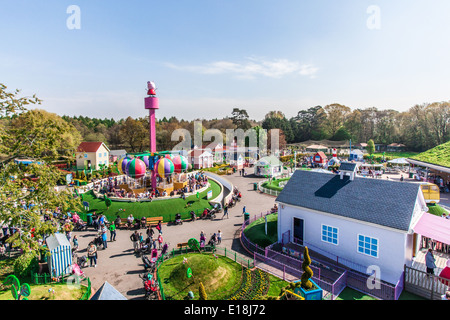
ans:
(121, 267)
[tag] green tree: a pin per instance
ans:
(370, 147)
(240, 119)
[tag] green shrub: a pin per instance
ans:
(24, 264)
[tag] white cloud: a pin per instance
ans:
(252, 68)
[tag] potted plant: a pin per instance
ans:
(306, 287)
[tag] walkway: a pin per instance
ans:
(121, 268)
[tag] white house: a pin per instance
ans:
(268, 166)
(90, 155)
(364, 222)
(200, 158)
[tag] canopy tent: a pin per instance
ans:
(399, 161)
(433, 227)
(107, 292)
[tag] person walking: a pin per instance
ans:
(243, 210)
(160, 241)
(225, 212)
(219, 237)
(430, 262)
(112, 230)
(75, 243)
(92, 254)
(159, 227)
(104, 238)
(135, 239)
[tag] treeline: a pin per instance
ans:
(420, 128)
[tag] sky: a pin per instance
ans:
(94, 58)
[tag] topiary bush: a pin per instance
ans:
(308, 273)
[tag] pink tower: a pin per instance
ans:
(152, 103)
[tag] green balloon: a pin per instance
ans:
(189, 272)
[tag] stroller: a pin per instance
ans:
(150, 263)
(82, 261)
(150, 286)
(80, 226)
(98, 241)
(213, 240)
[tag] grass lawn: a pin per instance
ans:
(274, 184)
(256, 233)
(38, 292)
(220, 277)
(163, 208)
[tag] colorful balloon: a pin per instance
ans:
(168, 156)
(122, 164)
(136, 168)
(180, 163)
(164, 167)
(146, 160)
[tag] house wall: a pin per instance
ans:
(94, 157)
(392, 245)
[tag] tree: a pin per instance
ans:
(135, 134)
(336, 116)
(310, 124)
(27, 192)
(240, 119)
(370, 147)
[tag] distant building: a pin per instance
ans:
(90, 155)
(115, 155)
(268, 166)
(395, 147)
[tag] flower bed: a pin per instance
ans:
(255, 285)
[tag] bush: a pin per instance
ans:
(24, 264)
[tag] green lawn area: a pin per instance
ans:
(38, 291)
(220, 277)
(163, 208)
(255, 232)
(439, 155)
(274, 184)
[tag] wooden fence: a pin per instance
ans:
(422, 284)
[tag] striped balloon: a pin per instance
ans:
(180, 163)
(164, 167)
(122, 164)
(168, 156)
(146, 160)
(136, 168)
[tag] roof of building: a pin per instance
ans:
(56, 240)
(268, 161)
(382, 202)
(107, 292)
(348, 166)
(90, 146)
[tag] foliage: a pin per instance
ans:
(307, 272)
(370, 147)
(24, 264)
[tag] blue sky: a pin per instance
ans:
(209, 56)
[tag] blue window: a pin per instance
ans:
(368, 245)
(329, 234)
(104, 154)
(85, 155)
(99, 155)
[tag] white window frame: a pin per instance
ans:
(365, 243)
(330, 237)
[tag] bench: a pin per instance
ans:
(182, 245)
(123, 222)
(153, 221)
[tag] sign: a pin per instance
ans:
(209, 195)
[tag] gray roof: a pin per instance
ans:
(107, 292)
(382, 202)
(347, 166)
